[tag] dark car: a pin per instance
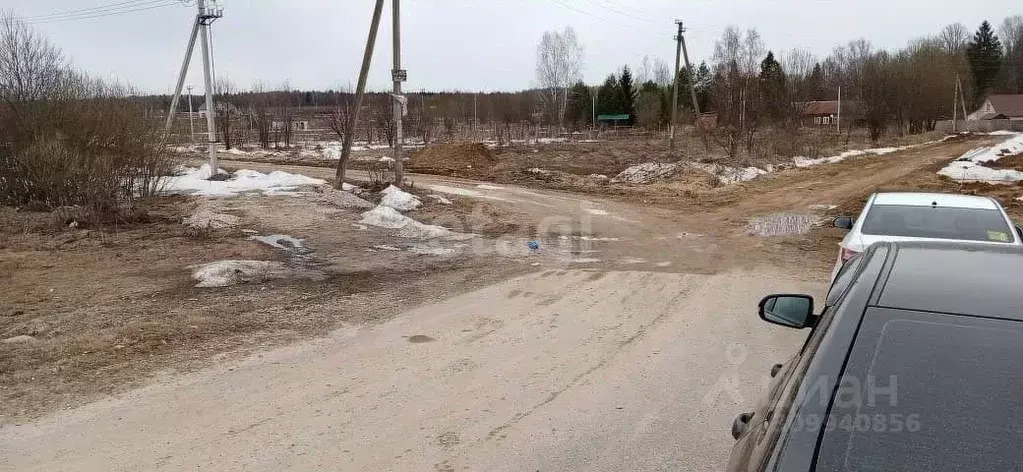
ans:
(915, 363)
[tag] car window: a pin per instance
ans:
(843, 280)
(969, 224)
(926, 391)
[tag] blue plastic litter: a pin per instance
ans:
(534, 245)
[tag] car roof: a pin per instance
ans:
(956, 278)
(940, 199)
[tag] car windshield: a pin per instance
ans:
(970, 224)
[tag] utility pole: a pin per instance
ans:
(202, 21)
(962, 97)
(674, 93)
(191, 122)
(955, 104)
(399, 76)
(689, 70)
(838, 119)
(206, 17)
(360, 90)
(181, 80)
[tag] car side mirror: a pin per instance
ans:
(1019, 231)
(844, 222)
(793, 311)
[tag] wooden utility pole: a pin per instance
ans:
(399, 76)
(353, 117)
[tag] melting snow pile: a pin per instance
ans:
(970, 166)
(399, 199)
(194, 181)
(386, 217)
(800, 161)
(645, 173)
(231, 272)
(730, 175)
(279, 241)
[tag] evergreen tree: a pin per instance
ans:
(815, 86)
(607, 96)
(984, 54)
(649, 105)
(580, 106)
(626, 94)
(772, 85)
(704, 86)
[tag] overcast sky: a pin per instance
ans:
(462, 44)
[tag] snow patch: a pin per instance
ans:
(440, 199)
(970, 166)
(800, 161)
(596, 211)
(231, 272)
(279, 241)
(399, 199)
(195, 182)
(387, 217)
(489, 187)
(645, 173)
(384, 247)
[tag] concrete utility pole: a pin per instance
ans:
(838, 119)
(399, 76)
(205, 18)
(674, 93)
(689, 70)
(181, 80)
(191, 122)
(360, 90)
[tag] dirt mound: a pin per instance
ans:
(465, 159)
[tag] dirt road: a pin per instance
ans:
(558, 370)
(637, 358)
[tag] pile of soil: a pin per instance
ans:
(461, 160)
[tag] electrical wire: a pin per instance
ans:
(124, 4)
(148, 5)
(612, 8)
(588, 13)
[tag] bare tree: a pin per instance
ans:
(226, 111)
(953, 38)
(798, 65)
(67, 139)
(662, 73)
(339, 115)
(1011, 34)
(559, 64)
(644, 72)
(259, 110)
(285, 114)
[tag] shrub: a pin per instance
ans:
(69, 140)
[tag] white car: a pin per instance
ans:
(925, 217)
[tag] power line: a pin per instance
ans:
(588, 13)
(100, 14)
(612, 8)
(86, 10)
